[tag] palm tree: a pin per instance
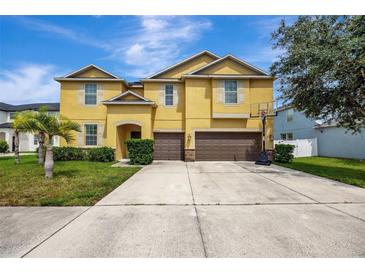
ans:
(50, 126)
(36, 128)
(20, 124)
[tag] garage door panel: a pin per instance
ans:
(227, 146)
(169, 146)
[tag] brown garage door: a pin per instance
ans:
(169, 146)
(227, 146)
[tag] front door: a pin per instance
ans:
(13, 146)
(135, 135)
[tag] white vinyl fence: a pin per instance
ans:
(303, 147)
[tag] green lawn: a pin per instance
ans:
(347, 171)
(75, 183)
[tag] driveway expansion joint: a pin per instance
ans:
(196, 213)
(55, 232)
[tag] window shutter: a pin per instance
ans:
(161, 95)
(240, 92)
(176, 95)
(80, 136)
(81, 94)
(100, 134)
(99, 93)
(220, 91)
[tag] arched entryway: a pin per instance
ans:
(125, 131)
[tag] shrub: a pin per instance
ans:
(284, 153)
(69, 153)
(101, 154)
(4, 147)
(140, 151)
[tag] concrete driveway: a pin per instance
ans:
(200, 209)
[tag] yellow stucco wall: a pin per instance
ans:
(166, 117)
(118, 117)
(187, 67)
(72, 99)
(200, 101)
(91, 73)
(227, 67)
(196, 101)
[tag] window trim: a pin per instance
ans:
(86, 134)
(96, 94)
(230, 91)
(169, 95)
(286, 138)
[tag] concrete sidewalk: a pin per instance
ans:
(200, 209)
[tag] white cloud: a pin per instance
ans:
(153, 43)
(29, 83)
(157, 42)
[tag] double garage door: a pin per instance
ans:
(209, 146)
(227, 146)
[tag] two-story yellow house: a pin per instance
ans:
(202, 108)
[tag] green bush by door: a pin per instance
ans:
(140, 151)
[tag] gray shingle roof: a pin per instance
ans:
(6, 125)
(34, 106)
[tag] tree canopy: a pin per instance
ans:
(322, 68)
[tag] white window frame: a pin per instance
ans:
(230, 92)
(286, 136)
(170, 96)
(92, 135)
(86, 94)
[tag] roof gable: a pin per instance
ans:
(128, 97)
(185, 66)
(91, 71)
(229, 64)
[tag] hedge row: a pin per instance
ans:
(140, 151)
(98, 154)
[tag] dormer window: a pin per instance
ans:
(169, 94)
(230, 92)
(90, 94)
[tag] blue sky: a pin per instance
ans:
(34, 49)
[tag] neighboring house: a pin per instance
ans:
(197, 109)
(27, 141)
(332, 141)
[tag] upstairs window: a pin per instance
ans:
(230, 92)
(90, 94)
(289, 115)
(91, 138)
(169, 94)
